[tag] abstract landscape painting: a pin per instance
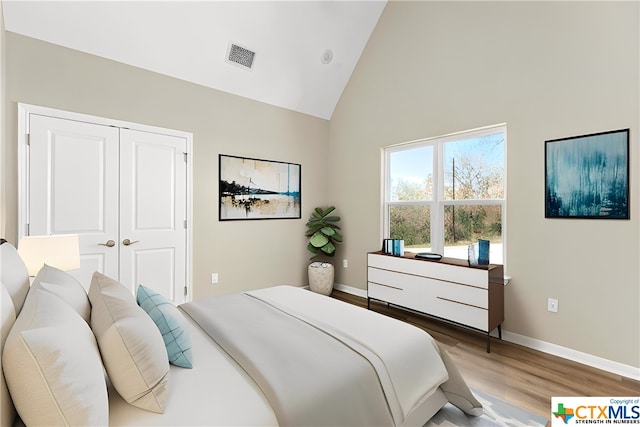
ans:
(258, 189)
(588, 176)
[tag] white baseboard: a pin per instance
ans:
(543, 346)
(575, 355)
(350, 290)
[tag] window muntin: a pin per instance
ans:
(445, 193)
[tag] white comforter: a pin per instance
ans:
(320, 361)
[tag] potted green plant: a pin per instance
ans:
(323, 235)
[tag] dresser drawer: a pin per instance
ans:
(468, 315)
(422, 287)
(395, 279)
(389, 294)
(421, 299)
(453, 273)
(456, 292)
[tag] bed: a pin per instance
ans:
(277, 356)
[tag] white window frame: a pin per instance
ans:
(438, 203)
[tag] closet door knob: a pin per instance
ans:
(128, 242)
(110, 243)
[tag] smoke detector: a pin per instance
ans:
(327, 56)
(241, 56)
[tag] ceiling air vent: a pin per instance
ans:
(240, 56)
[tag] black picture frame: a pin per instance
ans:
(587, 176)
(254, 189)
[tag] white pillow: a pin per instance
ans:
(66, 287)
(7, 313)
(8, 316)
(14, 275)
(132, 347)
(52, 365)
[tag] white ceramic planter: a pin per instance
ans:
(321, 276)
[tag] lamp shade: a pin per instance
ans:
(60, 251)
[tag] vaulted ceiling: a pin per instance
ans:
(305, 50)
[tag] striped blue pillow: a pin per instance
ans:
(171, 324)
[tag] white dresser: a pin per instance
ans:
(448, 289)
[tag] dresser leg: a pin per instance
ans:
(489, 337)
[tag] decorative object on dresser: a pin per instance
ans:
(448, 289)
(429, 255)
(393, 247)
(478, 253)
(323, 235)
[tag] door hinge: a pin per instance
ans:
(185, 291)
(28, 139)
(185, 224)
(185, 157)
(26, 231)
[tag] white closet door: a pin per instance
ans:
(73, 188)
(153, 212)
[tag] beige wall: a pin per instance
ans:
(547, 69)
(246, 254)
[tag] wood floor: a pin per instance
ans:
(522, 376)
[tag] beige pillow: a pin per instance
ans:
(132, 347)
(52, 365)
(66, 287)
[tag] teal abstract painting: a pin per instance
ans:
(588, 176)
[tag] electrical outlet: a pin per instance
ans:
(552, 305)
(214, 278)
(345, 263)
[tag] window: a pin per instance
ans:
(443, 194)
